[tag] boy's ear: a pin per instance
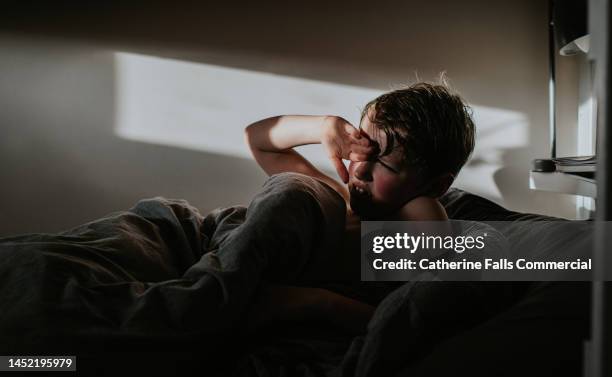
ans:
(439, 185)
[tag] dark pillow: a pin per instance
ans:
(462, 205)
(541, 334)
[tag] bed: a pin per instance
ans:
(161, 289)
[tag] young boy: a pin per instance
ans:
(410, 145)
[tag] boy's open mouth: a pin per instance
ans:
(361, 199)
(358, 190)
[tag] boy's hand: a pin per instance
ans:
(343, 141)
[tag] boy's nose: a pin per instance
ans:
(363, 171)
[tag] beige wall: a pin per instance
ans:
(62, 164)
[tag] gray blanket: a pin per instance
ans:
(162, 269)
(161, 266)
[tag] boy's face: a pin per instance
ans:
(382, 185)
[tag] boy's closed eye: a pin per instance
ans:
(387, 165)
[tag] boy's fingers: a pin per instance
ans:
(353, 156)
(340, 169)
(360, 140)
(363, 149)
(365, 142)
(365, 135)
(352, 131)
(370, 153)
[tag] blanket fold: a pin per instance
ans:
(163, 268)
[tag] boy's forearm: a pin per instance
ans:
(284, 132)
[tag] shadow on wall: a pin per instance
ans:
(63, 164)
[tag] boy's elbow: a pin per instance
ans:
(255, 133)
(252, 129)
(248, 129)
(249, 132)
(248, 136)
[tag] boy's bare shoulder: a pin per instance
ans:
(335, 185)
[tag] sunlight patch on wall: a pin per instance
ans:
(206, 107)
